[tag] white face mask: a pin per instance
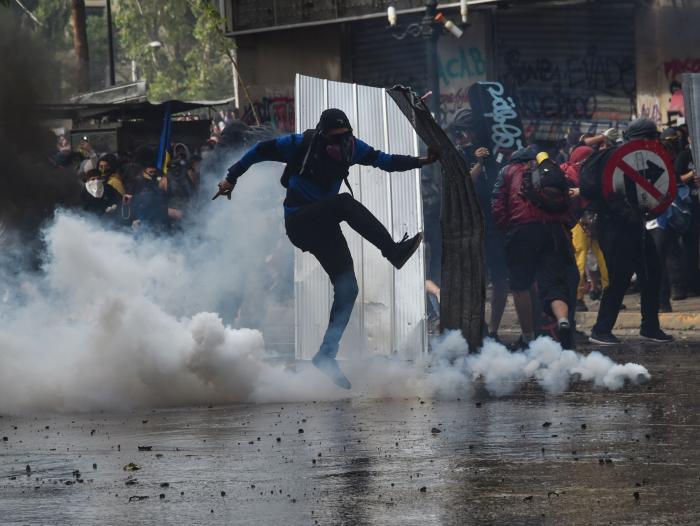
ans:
(95, 188)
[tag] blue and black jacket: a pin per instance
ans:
(321, 177)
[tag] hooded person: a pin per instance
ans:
(107, 165)
(627, 246)
(317, 163)
(99, 198)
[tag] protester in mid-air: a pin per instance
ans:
(318, 162)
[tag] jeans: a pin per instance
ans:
(315, 228)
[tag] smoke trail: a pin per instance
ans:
(95, 331)
(114, 320)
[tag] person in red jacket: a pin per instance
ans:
(538, 249)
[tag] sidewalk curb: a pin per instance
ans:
(673, 321)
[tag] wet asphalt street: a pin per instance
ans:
(585, 457)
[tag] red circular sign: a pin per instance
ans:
(641, 170)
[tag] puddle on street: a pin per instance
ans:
(585, 457)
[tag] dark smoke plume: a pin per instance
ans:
(31, 185)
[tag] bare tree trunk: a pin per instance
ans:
(80, 43)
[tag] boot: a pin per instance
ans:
(329, 366)
(404, 249)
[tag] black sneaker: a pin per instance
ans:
(565, 335)
(580, 337)
(518, 345)
(404, 249)
(581, 306)
(595, 294)
(679, 295)
(604, 339)
(656, 335)
(665, 307)
(330, 367)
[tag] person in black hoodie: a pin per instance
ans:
(99, 198)
(318, 161)
(627, 245)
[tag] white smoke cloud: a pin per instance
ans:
(115, 320)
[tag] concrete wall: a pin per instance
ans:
(668, 44)
(269, 62)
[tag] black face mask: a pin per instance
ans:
(340, 148)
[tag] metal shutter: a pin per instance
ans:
(379, 59)
(568, 66)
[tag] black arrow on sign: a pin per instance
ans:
(652, 172)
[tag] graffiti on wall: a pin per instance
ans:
(461, 63)
(586, 86)
(674, 67)
(649, 107)
(456, 72)
(276, 111)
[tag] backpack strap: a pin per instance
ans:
(300, 157)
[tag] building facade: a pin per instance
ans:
(575, 64)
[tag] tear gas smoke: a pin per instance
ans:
(115, 320)
(31, 184)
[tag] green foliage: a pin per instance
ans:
(191, 63)
(56, 28)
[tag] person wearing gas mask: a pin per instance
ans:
(107, 166)
(99, 198)
(318, 162)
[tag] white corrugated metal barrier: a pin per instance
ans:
(389, 316)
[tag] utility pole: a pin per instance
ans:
(80, 44)
(431, 33)
(110, 43)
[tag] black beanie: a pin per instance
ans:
(333, 118)
(642, 129)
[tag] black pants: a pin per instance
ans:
(671, 263)
(315, 228)
(628, 249)
(542, 253)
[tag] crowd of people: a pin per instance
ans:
(552, 236)
(552, 239)
(138, 190)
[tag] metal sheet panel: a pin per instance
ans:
(311, 286)
(389, 315)
(691, 91)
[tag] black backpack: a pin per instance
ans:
(591, 178)
(295, 165)
(547, 187)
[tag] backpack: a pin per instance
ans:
(591, 177)
(547, 187)
(295, 165)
